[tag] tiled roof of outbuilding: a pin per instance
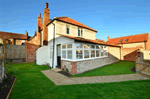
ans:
(129, 39)
(88, 40)
(10, 35)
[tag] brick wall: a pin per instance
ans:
(31, 52)
(131, 56)
(86, 65)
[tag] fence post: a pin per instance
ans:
(26, 54)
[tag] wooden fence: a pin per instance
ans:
(15, 53)
(142, 66)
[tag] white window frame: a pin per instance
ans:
(81, 34)
(90, 49)
(71, 49)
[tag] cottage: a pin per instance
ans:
(130, 45)
(66, 42)
(14, 38)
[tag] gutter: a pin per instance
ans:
(53, 45)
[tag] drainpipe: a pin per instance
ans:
(53, 45)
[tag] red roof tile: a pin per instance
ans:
(88, 40)
(72, 21)
(131, 39)
(10, 35)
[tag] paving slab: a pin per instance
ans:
(60, 79)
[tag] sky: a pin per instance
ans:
(114, 18)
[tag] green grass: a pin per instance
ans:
(121, 67)
(32, 84)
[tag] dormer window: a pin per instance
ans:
(80, 32)
(126, 40)
(67, 30)
(121, 40)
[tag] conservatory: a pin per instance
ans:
(76, 54)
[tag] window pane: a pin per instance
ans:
(67, 30)
(105, 53)
(86, 46)
(86, 53)
(63, 56)
(78, 51)
(92, 46)
(79, 45)
(69, 54)
(102, 54)
(92, 53)
(63, 52)
(78, 32)
(69, 46)
(81, 33)
(101, 47)
(78, 54)
(63, 46)
(97, 47)
(97, 53)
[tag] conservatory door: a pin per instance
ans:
(59, 56)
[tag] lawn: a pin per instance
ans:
(121, 67)
(32, 84)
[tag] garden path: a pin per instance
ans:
(60, 79)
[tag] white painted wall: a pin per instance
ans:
(58, 40)
(41, 55)
(50, 31)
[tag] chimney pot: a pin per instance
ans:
(108, 37)
(46, 5)
(39, 14)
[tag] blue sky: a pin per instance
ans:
(114, 18)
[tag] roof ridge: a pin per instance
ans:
(12, 32)
(61, 17)
(129, 35)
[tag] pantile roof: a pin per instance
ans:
(129, 39)
(88, 40)
(72, 21)
(10, 35)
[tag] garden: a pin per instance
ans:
(31, 83)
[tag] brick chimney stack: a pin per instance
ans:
(39, 26)
(108, 37)
(45, 22)
(26, 33)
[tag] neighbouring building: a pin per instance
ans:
(13, 38)
(130, 45)
(68, 43)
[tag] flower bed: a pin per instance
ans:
(6, 86)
